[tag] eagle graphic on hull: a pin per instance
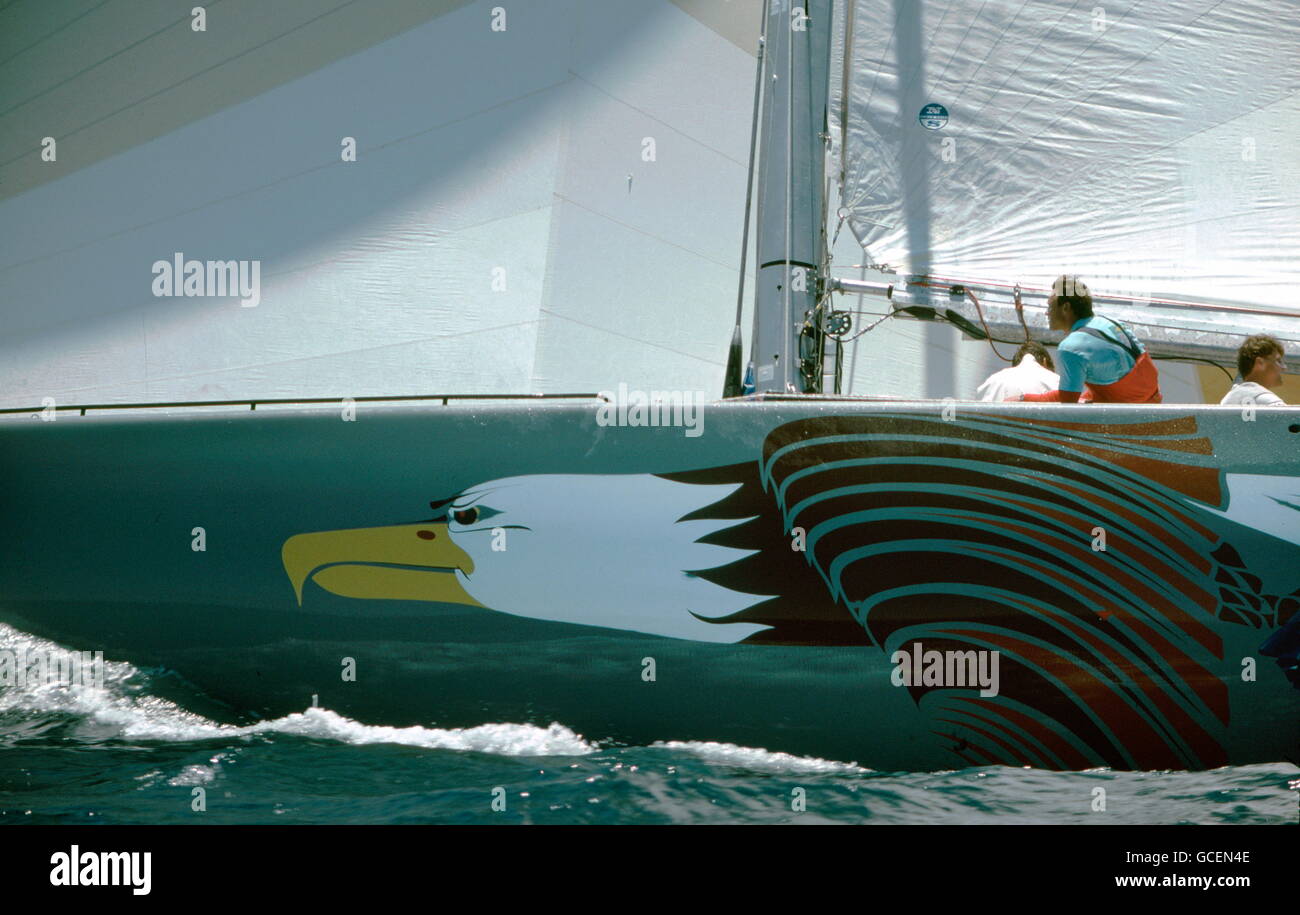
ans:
(1082, 553)
(542, 546)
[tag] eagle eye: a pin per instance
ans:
(465, 515)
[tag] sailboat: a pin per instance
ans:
(914, 584)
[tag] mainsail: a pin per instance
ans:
(1150, 147)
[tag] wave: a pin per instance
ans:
(760, 760)
(122, 708)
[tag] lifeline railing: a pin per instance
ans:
(253, 403)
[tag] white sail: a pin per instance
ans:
(1152, 148)
(542, 200)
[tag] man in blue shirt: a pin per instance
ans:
(1098, 354)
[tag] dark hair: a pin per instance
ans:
(1082, 305)
(1253, 348)
(1038, 351)
(1072, 291)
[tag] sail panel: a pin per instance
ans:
(541, 202)
(1150, 147)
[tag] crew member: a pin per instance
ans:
(1259, 362)
(1098, 354)
(1030, 372)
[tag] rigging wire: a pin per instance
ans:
(51, 34)
(849, 8)
(88, 67)
(988, 334)
(789, 190)
(183, 81)
(843, 214)
(868, 329)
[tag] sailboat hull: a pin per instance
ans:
(909, 585)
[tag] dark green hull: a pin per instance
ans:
(962, 527)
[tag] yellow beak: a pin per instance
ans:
(400, 562)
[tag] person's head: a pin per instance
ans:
(1038, 351)
(1260, 360)
(1068, 301)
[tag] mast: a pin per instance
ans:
(791, 208)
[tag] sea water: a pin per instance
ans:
(117, 751)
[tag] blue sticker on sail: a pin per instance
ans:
(933, 116)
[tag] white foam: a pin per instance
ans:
(193, 775)
(728, 754)
(57, 696)
(501, 739)
(122, 707)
